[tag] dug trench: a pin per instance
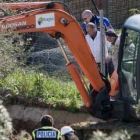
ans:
(26, 116)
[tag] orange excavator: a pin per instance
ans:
(55, 18)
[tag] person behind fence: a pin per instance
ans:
(47, 131)
(93, 40)
(88, 16)
(114, 48)
(68, 133)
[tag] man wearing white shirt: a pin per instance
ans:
(93, 40)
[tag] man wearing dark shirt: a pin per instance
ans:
(88, 16)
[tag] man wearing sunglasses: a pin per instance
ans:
(88, 16)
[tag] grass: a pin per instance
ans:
(43, 87)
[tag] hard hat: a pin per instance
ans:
(66, 129)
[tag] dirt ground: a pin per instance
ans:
(28, 118)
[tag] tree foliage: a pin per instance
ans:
(5, 123)
(120, 135)
(134, 11)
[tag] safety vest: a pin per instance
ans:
(46, 133)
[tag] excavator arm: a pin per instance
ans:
(49, 17)
(30, 5)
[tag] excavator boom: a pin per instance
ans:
(52, 21)
(49, 17)
(28, 5)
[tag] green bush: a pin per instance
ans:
(134, 11)
(43, 87)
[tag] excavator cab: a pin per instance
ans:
(129, 60)
(126, 106)
(129, 66)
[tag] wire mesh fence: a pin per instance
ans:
(46, 51)
(117, 11)
(47, 54)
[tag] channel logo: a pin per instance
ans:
(45, 20)
(40, 20)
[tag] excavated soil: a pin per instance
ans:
(85, 129)
(26, 116)
(26, 113)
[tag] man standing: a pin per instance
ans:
(114, 39)
(88, 16)
(93, 40)
(47, 131)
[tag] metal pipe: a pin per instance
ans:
(63, 51)
(102, 43)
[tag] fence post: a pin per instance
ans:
(102, 43)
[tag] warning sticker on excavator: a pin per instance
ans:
(45, 20)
